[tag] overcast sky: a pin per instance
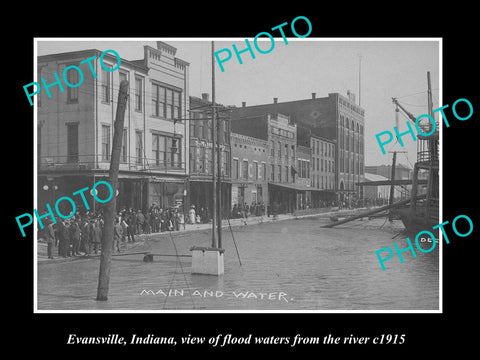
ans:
(389, 68)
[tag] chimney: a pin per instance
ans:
(275, 100)
(205, 96)
(244, 103)
(314, 95)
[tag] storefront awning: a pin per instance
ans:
(293, 187)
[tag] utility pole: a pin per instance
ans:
(107, 243)
(392, 179)
(214, 187)
(219, 181)
(359, 79)
(392, 188)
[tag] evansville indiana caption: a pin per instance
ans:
(115, 339)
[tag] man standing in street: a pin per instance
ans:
(50, 237)
(117, 234)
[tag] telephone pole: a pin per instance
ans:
(392, 187)
(214, 187)
(107, 243)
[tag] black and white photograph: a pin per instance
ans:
(215, 180)
(238, 175)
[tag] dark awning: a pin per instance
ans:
(293, 187)
(389, 182)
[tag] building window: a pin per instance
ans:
(235, 169)
(264, 171)
(255, 170)
(280, 173)
(138, 94)
(174, 145)
(286, 152)
(72, 92)
(105, 142)
(158, 100)
(166, 102)
(202, 162)
(166, 148)
(72, 143)
(208, 129)
(286, 173)
(272, 148)
(123, 77)
(169, 103)
(124, 146)
(158, 149)
(193, 160)
(105, 86)
(138, 147)
(279, 150)
(272, 172)
(177, 109)
(245, 170)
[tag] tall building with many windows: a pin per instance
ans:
(322, 170)
(75, 127)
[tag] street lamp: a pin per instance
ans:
(184, 208)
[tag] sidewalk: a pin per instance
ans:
(189, 228)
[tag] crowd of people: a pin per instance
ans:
(82, 234)
(244, 210)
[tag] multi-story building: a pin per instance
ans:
(249, 170)
(284, 184)
(200, 181)
(335, 117)
(75, 127)
(323, 170)
(302, 178)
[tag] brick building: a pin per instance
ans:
(336, 118)
(249, 170)
(200, 181)
(302, 178)
(75, 127)
(323, 170)
(287, 183)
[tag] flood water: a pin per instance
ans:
(286, 265)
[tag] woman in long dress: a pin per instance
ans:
(191, 214)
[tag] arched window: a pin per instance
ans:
(348, 123)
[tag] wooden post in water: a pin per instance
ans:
(392, 188)
(109, 217)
